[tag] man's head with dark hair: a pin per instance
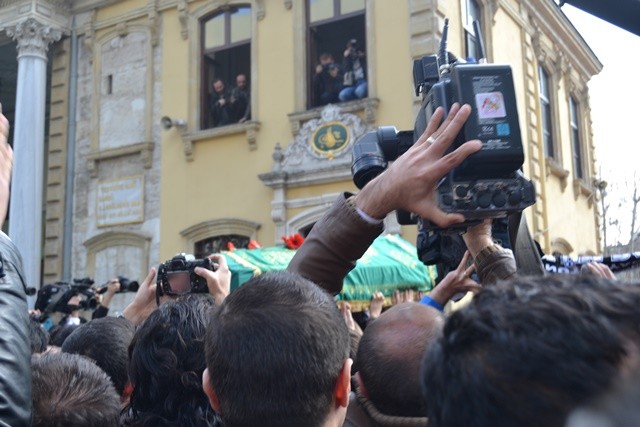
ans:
(527, 353)
(218, 86)
(59, 333)
(104, 340)
(39, 337)
(166, 361)
(69, 390)
(390, 355)
(278, 355)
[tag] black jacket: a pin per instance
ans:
(15, 349)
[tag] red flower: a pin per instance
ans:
(231, 247)
(294, 241)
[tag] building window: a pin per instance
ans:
(546, 113)
(578, 168)
(336, 51)
(217, 244)
(226, 66)
(471, 43)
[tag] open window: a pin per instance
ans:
(226, 54)
(471, 12)
(576, 144)
(546, 113)
(217, 244)
(331, 25)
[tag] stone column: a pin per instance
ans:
(25, 215)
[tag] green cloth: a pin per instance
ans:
(390, 263)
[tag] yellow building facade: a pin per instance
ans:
(153, 176)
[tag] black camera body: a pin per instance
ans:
(177, 276)
(489, 183)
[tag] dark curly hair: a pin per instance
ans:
(166, 361)
(525, 353)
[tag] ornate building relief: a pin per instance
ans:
(320, 153)
(33, 37)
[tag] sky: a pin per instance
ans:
(615, 110)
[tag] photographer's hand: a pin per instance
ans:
(410, 182)
(218, 281)
(144, 302)
(112, 288)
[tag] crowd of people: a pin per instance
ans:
(539, 350)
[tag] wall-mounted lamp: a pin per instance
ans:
(167, 123)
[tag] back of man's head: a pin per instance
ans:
(38, 336)
(59, 333)
(166, 363)
(106, 341)
(390, 355)
(69, 390)
(275, 350)
(527, 353)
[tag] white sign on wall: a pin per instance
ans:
(120, 201)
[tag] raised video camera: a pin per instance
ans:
(55, 297)
(489, 183)
(177, 276)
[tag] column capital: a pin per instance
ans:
(33, 37)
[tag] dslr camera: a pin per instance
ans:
(177, 276)
(489, 183)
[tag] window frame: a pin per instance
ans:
(576, 132)
(218, 227)
(311, 53)
(230, 239)
(546, 106)
(204, 86)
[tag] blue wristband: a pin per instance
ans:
(427, 300)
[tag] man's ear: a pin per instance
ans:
(209, 391)
(361, 387)
(343, 384)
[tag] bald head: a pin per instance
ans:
(390, 354)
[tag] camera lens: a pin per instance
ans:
(368, 159)
(133, 286)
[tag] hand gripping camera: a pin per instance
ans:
(177, 276)
(489, 183)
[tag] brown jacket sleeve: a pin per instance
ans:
(498, 264)
(335, 243)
